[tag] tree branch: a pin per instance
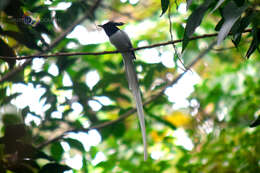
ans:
(131, 111)
(111, 52)
(53, 44)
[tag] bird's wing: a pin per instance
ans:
(124, 43)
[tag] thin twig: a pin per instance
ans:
(131, 111)
(173, 45)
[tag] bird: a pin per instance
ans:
(122, 42)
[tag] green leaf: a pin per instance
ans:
(117, 129)
(6, 50)
(161, 120)
(149, 77)
(26, 37)
(255, 42)
(231, 14)
(76, 124)
(219, 25)
(245, 21)
(71, 13)
(194, 21)
(240, 26)
(93, 151)
(75, 144)
(179, 30)
(111, 65)
(236, 39)
(109, 108)
(85, 165)
(65, 62)
(7, 99)
(188, 2)
(115, 94)
(39, 154)
(81, 89)
(56, 151)
(81, 72)
(42, 74)
(108, 78)
(164, 5)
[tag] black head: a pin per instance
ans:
(111, 27)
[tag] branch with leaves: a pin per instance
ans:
(88, 13)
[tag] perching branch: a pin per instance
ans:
(131, 111)
(53, 44)
(110, 52)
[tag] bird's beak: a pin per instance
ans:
(100, 26)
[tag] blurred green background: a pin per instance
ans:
(75, 114)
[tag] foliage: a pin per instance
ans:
(65, 108)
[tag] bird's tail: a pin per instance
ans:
(134, 87)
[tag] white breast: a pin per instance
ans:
(120, 40)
